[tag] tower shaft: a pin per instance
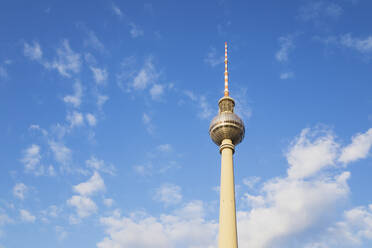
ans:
(227, 230)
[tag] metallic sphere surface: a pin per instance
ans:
(227, 125)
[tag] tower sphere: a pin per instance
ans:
(226, 125)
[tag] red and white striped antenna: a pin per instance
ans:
(226, 73)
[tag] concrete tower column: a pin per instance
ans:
(227, 231)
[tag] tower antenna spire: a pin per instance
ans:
(226, 92)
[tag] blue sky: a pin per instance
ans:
(105, 108)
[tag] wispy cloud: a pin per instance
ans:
(100, 165)
(33, 51)
(61, 232)
(205, 111)
(286, 75)
(75, 99)
(93, 41)
(26, 216)
(91, 119)
(101, 99)
(135, 31)
(318, 11)
(164, 147)
(147, 121)
(286, 45)
(62, 154)
(67, 61)
(20, 190)
(157, 91)
(108, 202)
(144, 78)
(213, 59)
(169, 194)
(31, 159)
(363, 45)
(100, 75)
(75, 118)
(116, 10)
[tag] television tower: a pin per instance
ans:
(227, 130)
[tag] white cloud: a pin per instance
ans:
(100, 75)
(62, 154)
(306, 157)
(135, 31)
(52, 211)
(89, 58)
(148, 123)
(205, 111)
(358, 149)
(242, 107)
(51, 171)
(4, 219)
(26, 216)
(101, 99)
(286, 75)
(286, 45)
(75, 99)
(192, 210)
(156, 91)
(67, 60)
(94, 42)
(147, 75)
(143, 170)
(251, 182)
(253, 201)
(359, 44)
(100, 165)
(93, 185)
(33, 52)
(290, 207)
(169, 194)
(116, 10)
(174, 230)
(165, 148)
(31, 159)
(20, 190)
(61, 233)
(92, 121)
(352, 231)
(37, 127)
(212, 59)
(317, 11)
(108, 202)
(75, 118)
(84, 207)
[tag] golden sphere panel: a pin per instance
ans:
(227, 125)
